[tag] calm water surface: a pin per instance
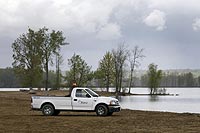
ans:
(188, 100)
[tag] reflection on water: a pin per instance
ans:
(153, 98)
(188, 100)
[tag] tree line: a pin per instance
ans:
(34, 51)
(175, 79)
(8, 79)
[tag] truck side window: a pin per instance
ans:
(81, 93)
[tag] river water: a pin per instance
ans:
(187, 100)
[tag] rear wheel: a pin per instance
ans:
(48, 110)
(101, 110)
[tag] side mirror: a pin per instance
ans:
(88, 96)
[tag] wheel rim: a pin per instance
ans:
(101, 110)
(47, 110)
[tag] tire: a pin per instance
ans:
(48, 110)
(56, 112)
(101, 110)
(110, 113)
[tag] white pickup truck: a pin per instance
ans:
(81, 99)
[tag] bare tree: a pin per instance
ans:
(120, 56)
(59, 61)
(134, 59)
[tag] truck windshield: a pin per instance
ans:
(92, 93)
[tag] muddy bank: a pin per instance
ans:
(16, 117)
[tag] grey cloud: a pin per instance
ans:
(94, 27)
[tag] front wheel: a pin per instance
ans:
(48, 110)
(101, 110)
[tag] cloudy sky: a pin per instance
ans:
(168, 30)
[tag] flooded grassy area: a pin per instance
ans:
(15, 116)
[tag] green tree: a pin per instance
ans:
(33, 49)
(52, 79)
(154, 78)
(8, 78)
(98, 77)
(51, 42)
(106, 66)
(28, 58)
(189, 79)
(79, 72)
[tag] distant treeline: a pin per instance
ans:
(175, 80)
(8, 79)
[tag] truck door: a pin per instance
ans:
(82, 100)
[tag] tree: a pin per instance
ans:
(27, 58)
(59, 61)
(144, 80)
(33, 49)
(198, 81)
(51, 42)
(52, 79)
(175, 79)
(98, 78)
(154, 78)
(8, 78)
(189, 79)
(134, 57)
(120, 55)
(79, 72)
(106, 66)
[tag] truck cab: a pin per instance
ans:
(81, 99)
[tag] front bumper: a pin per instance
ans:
(114, 108)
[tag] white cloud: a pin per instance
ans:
(196, 24)
(74, 16)
(109, 32)
(156, 19)
(176, 6)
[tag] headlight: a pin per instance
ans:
(113, 102)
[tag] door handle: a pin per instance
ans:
(75, 99)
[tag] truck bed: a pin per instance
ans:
(60, 102)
